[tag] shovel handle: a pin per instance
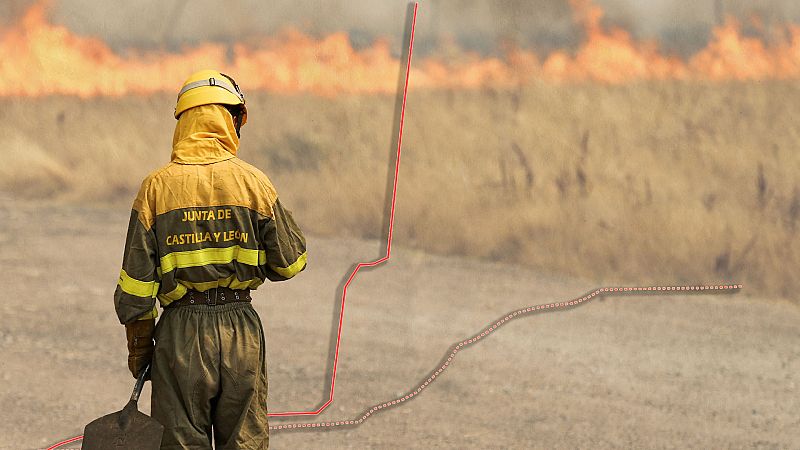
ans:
(137, 388)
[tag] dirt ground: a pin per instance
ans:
(711, 371)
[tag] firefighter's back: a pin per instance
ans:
(205, 230)
(209, 226)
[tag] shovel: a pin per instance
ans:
(126, 429)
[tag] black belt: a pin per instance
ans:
(213, 296)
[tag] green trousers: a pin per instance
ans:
(209, 376)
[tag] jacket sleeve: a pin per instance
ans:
(137, 287)
(284, 244)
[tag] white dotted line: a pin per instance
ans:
(490, 329)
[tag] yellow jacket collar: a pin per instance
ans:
(204, 135)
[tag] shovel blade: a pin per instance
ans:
(126, 429)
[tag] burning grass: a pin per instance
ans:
(657, 182)
(50, 59)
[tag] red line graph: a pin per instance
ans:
(455, 348)
(388, 241)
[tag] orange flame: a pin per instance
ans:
(39, 58)
(732, 56)
(609, 56)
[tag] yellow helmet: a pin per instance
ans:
(208, 87)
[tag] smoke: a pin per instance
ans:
(681, 26)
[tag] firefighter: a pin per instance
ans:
(205, 231)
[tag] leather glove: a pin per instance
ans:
(140, 344)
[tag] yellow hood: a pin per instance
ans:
(204, 135)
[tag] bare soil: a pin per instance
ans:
(710, 371)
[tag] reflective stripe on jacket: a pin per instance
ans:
(205, 220)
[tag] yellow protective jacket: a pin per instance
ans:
(206, 219)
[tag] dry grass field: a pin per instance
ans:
(636, 184)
